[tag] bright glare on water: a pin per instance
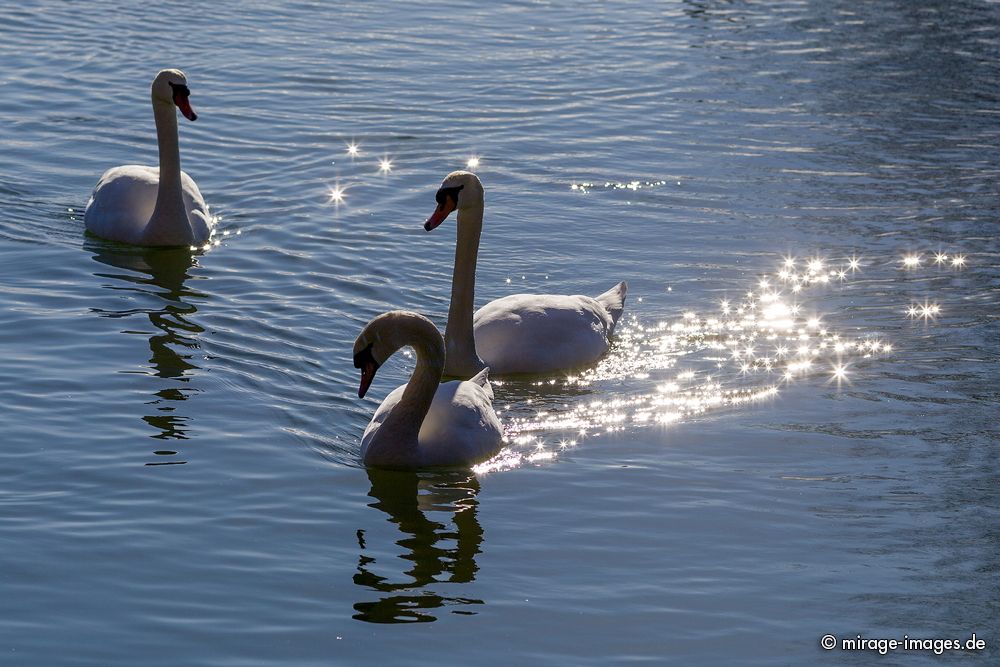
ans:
(793, 435)
(749, 351)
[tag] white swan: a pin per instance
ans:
(521, 333)
(424, 422)
(147, 206)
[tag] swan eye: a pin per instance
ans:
(443, 193)
(364, 358)
(179, 89)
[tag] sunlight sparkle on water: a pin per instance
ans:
(911, 261)
(385, 165)
(337, 194)
(745, 351)
(839, 373)
(926, 311)
(473, 162)
(616, 185)
(353, 149)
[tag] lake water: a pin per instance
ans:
(179, 473)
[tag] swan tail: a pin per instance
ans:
(482, 378)
(614, 301)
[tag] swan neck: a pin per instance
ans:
(420, 390)
(398, 435)
(460, 342)
(169, 223)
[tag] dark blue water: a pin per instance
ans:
(179, 472)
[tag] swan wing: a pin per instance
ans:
(540, 333)
(461, 427)
(482, 378)
(202, 222)
(613, 301)
(122, 202)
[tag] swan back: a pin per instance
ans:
(541, 333)
(123, 201)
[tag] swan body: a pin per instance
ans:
(521, 333)
(125, 198)
(153, 206)
(424, 423)
(541, 333)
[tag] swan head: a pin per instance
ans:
(459, 190)
(170, 87)
(390, 331)
(376, 343)
(364, 359)
(371, 348)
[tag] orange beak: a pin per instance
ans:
(440, 213)
(182, 102)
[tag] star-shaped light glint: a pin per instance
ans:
(839, 373)
(337, 195)
(925, 311)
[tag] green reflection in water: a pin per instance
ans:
(441, 552)
(155, 279)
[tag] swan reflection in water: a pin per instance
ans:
(441, 551)
(154, 280)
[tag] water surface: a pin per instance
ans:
(179, 476)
